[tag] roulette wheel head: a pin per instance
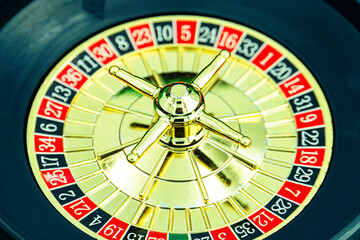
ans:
(177, 121)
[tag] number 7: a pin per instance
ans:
(295, 194)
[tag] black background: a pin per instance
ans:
(348, 8)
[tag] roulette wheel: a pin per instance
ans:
(179, 120)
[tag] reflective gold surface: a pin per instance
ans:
(215, 157)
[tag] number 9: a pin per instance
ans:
(308, 118)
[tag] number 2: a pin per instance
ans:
(64, 196)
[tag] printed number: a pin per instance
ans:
(309, 139)
(308, 159)
(87, 63)
(294, 88)
(280, 206)
(203, 238)
(303, 176)
(207, 35)
(309, 118)
(83, 207)
(48, 127)
(142, 36)
(61, 93)
(64, 196)
(71, 77)
(103, 51)
(228, 40)
(155, 238)
(53, 109)
(222, 236)
(281, 71)
(96, 220)
(123, 45)
(265, 60)
(245, 229)
(295, 194)
(185, 32)
(49, 162)
(263, 222)
(303, 103)
(164, 33)
(47, 144)
(248, 48)
(113, 230)
(56, 177)
(132, 236)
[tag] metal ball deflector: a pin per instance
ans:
(181, 103)
(180, 121)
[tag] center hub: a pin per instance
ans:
(181, 104)
(179, 91)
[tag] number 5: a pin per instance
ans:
(185, 32)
